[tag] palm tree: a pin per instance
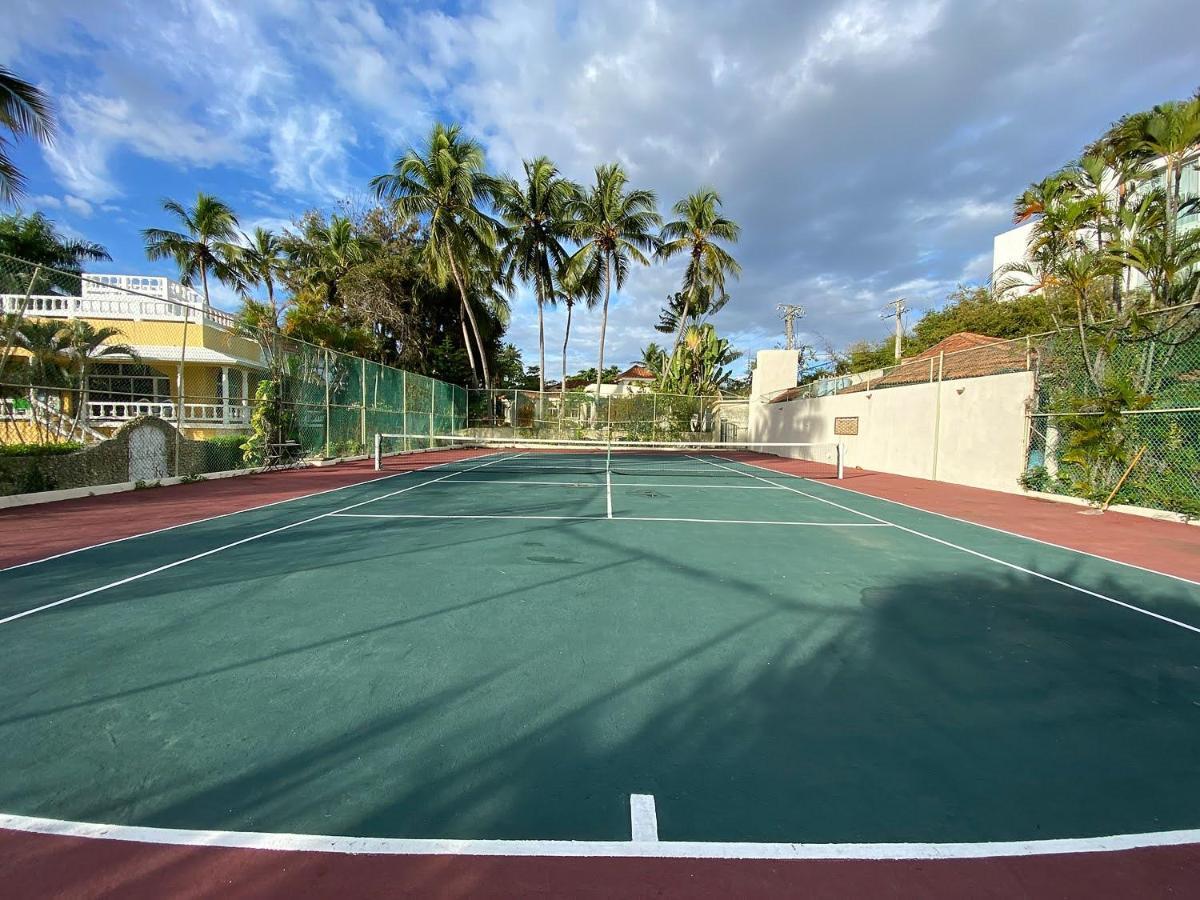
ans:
(261, 260)
(702, 306)
(1172, 132)
(614, 227)
(696, 231)
(325, 251)
(205, 245)
(80, 343)
(445, 184)
(574, 288)
(24, 110)
(536, 214)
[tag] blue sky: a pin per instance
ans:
(867, 148)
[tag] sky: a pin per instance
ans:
(868, 149)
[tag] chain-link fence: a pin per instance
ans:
(1119, 421)
(636, 415)
(86, 359)
(1115, 415)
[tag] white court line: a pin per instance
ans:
(1119, 562)
(643, 820)
(254, 537)
(317, 843)
(599, 518)
(608, 491)
(1014, 566)
(597, 484)
(34, 562)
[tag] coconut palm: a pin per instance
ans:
(615, 227)
(574, 288)
(323, 252)
(24, 110)
(80, 343)
(445, 185)
(700, 308)
(206, 243)
(696, 232)
(537, 215)
(261, 260)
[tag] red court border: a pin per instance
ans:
(40, 865)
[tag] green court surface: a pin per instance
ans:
(501, 650)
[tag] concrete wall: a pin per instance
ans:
(774, 371)
(967, 431)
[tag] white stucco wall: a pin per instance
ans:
(1012, 246)
(977, 436)
(774, 371)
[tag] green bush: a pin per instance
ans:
(224, 452)
(39, 449)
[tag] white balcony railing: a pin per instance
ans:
(135, 297)
(234, 413)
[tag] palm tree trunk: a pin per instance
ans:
(462, 319)
(603, 328)
(462, 293)
(541, 342)
(687, 303)
(562, 388)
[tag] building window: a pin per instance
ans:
(124, 382)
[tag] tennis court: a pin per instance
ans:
(508, 643)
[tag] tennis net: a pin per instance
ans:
(584, 457)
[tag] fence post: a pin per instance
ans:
(432, 410)
(328, 373)
(362, 368)
(937, 412)
(404, 408)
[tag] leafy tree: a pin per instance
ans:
(698, 308)
(323, 252)
(206, 243)
(696, 231)
(614, 226)
(24, 110)
(34, 239)
(445, 184)
(537, 215)
(261, 261)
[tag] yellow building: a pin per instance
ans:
(191, 367)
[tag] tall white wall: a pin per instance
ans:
(774, 371)
(966, 431)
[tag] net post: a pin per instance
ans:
(841, 461)
(378, 451)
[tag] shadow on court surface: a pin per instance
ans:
(952, 706)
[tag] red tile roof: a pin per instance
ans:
(636, 372)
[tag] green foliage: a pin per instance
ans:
(265, 425)
(34, 239)
(24, 110)
(48, 449)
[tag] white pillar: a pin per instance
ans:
(225, 394)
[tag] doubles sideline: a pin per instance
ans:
(254, 537)
(951, 544)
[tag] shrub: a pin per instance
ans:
(40, 449)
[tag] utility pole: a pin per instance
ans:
(898, 309)
(790, 313)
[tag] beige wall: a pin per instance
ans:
(966, 431)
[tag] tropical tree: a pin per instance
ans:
(654, 358)
(80, 344)
(698, 365)
(698, 309)
(261, 261)
(614, 226)
(445, 185)
(24, 110)
(323, 252)
(574, 287)
(205, 243)
(696, 231)
(537, 215)
(35, 239)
